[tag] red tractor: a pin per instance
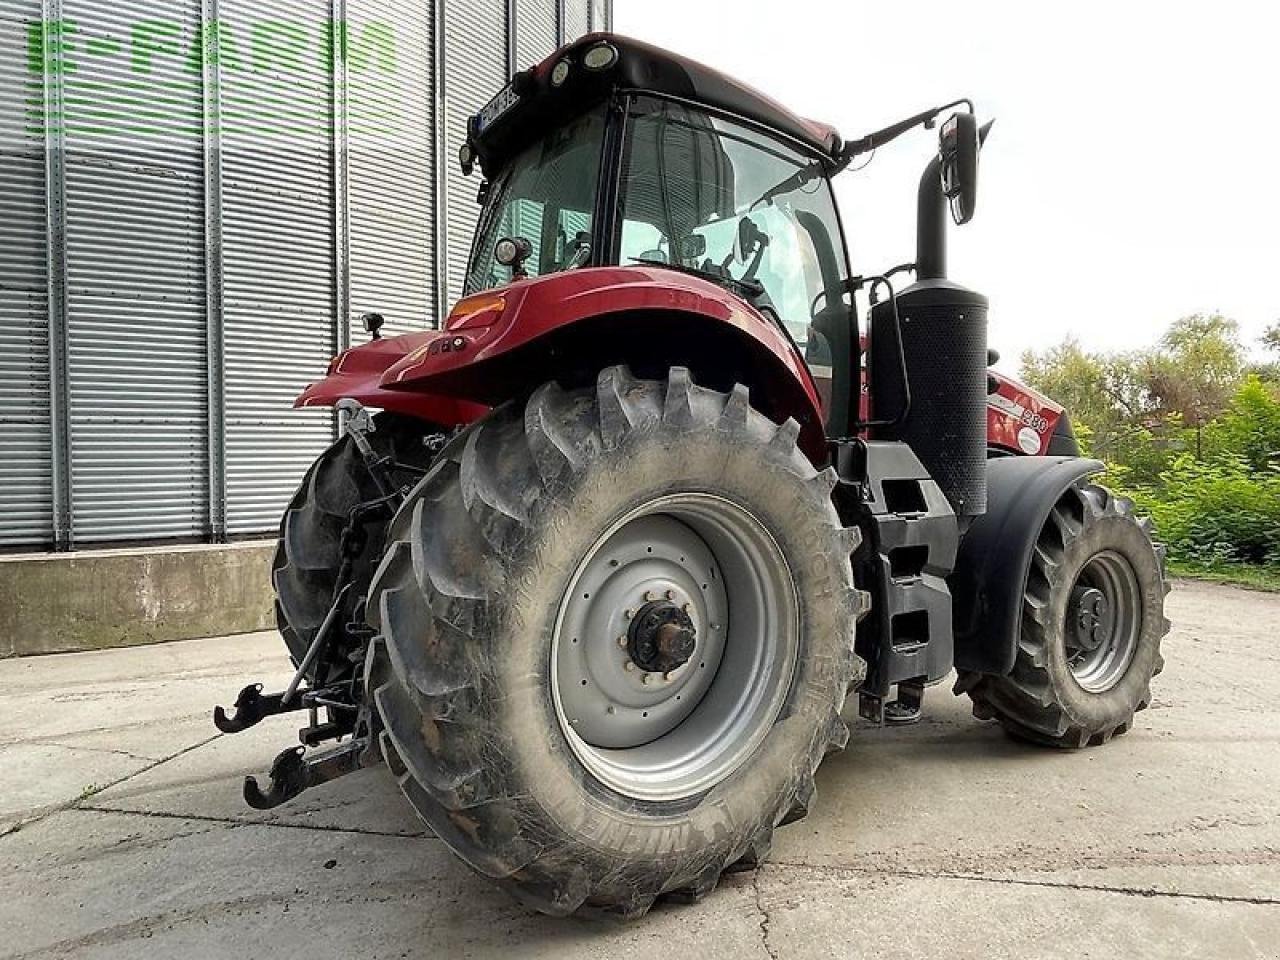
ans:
(595, 582)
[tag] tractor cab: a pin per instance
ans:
(644, 158)
(616, 153)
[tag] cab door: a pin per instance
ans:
(706, 192)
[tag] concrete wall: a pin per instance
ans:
(55, 603)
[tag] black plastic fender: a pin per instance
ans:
(995, 556)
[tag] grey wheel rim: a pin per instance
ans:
(664, 735)
(1104, 621)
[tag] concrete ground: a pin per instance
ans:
(122, 832)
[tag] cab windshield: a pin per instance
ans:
(703, 193)
(547, 196)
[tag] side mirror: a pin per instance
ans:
(958, 146)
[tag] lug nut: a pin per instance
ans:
(671, 594)
(646, 678)
(650, 596)
(628, 613)
(668, 676)
(687, 608)
(628, 665)
(622, 640)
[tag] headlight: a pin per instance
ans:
(600, 57)
(512, 251)
(560, 73)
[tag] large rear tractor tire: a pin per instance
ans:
(616, 631)
(309, 549)
(1092, 622)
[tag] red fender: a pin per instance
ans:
(460, 361)
(404, 373)
(355, 374)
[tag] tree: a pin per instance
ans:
(1075, 379)
(1186, 430)
(1197, 368)
(1141, 408)
(1271, 338)
(1269, 371)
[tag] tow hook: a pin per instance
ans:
(292, 772)
(252, 707)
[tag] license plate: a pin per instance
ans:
(495, 108)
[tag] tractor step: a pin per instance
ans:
(913, 539)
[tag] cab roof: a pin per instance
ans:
(640, 67)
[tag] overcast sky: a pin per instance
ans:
(1133, 174)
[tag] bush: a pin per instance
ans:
(1189, 431)
(1249, 427)
(1219, 511)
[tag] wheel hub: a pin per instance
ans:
(662, 637)
(1090, 612)
(649, 601)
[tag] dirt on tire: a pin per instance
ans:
(1040, 701)
(465, 603)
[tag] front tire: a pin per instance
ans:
(504, 602)
(1093, 619)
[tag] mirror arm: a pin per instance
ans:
(879, 138)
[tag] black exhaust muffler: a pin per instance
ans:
(943, 330)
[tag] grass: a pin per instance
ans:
(1244, 575)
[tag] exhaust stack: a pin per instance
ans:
(943, 329)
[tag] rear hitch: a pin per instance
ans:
(252, 706)
(292, 772)
(348, 715)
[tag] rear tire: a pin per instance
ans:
(1094, 564)
(485, 567)
(308, 552)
